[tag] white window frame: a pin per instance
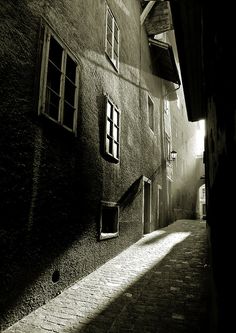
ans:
(48, 35)
(166, 105)
(111, 56)
(109, 205)
(111, 127)
(168, 148)
(151, 118)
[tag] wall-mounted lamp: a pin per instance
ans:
(173, 155)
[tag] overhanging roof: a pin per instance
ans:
(187, 20)
(164, 61)
(159, 19)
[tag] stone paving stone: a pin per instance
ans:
(158, 285)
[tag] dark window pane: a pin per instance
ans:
(53, 78)
(68, 116)
(52, 104)
(69, 92)
(55, 52)
(109, 220)
(70, 69)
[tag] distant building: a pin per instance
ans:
(86, 134)
(188, 168)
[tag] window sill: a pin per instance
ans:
(112, 63)
(104, 235)
(49, 125)
(111, 158)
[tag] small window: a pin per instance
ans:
(58, 96)
(112, 39)
(168, 157)
(112, 130)
(166, 106)
(109, 220)
(151, 113)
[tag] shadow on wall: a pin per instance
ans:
(49, 195)
(48, 201)
(128, 197)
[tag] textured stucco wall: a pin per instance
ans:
(51, 182)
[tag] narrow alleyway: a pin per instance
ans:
(160, 284)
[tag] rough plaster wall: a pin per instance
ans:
(17, 65)
(44, 173)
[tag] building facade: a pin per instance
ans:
(184, 174)
(188, 168)
(83, 143)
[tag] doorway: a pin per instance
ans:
(159, 209)
(202, 202)
(146, 205)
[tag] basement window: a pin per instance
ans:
(112, 39)
(109, 220)
(58, 95)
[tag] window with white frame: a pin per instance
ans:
(150, 113)
(167, 148)
(112, 130)
(112, 38)
(58, 96)
(109, 220)
(166, 105)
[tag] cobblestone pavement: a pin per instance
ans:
(160, 284)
